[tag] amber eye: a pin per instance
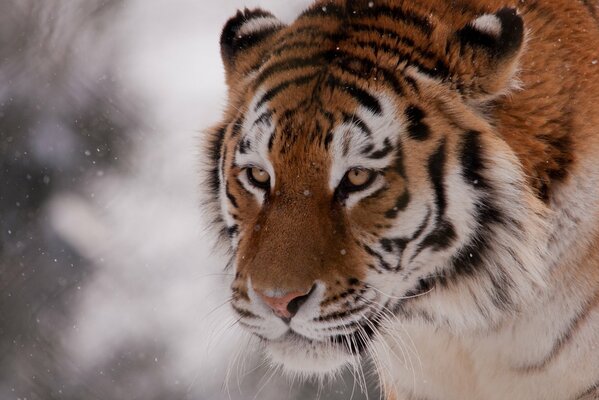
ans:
(356, 179)
(258, 177)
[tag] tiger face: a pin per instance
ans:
(358, 180)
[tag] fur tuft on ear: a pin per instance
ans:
(247, 30)
(488, 49)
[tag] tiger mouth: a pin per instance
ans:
(353, 343)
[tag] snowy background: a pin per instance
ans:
(109, 285)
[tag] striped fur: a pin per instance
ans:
(472, 247)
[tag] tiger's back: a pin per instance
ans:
(418, 181)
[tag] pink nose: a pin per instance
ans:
(287, 305)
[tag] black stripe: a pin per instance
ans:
(338, 314)
(358, 122)
(236, 127)
(382, 262)
(244, 313)
(264, 118)
(439, 239)
(214, 153)
(405, 52)
(472, 161)
(593, 8)
(232, 231)
(423, 224)
(244, 145)
(440, 70)
(362, 68)
(399, 15)
(436, 171)
(591, 391)
(271, 141)
(231, 198)
(287, 46)
(360, 95)
(444, 233)
(400, 204)
(328, 139)
(387, 148)
(270, 94)
(367, 149)
(417, 129)
(315, 60)
(358, 341)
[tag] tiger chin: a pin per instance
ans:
(416, 182)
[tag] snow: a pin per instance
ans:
(156, 277)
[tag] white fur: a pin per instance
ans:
(258, 24)
(258, 135)
(492, 365)
(384, 127)
(488, 23)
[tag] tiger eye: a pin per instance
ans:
(358, 177)
(259, 175)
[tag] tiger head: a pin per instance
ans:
(358, 179)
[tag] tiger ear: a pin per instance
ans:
(244, 39)
(488, 50)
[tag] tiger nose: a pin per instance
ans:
(287, 305)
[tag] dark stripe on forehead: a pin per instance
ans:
(363, 68)
(244, 145)
(361, 96)
(398, 15)
(361, 11)
(358, 122)
(271, 93)
(440, 69)
(236, 127)
(408, 55)
(314, 60)
(264, 118)
(417, 129)
(400, 40)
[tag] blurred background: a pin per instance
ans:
(109, 285)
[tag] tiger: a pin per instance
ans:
(415, 184)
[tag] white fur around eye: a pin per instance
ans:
(355, 197)
(258, 193)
